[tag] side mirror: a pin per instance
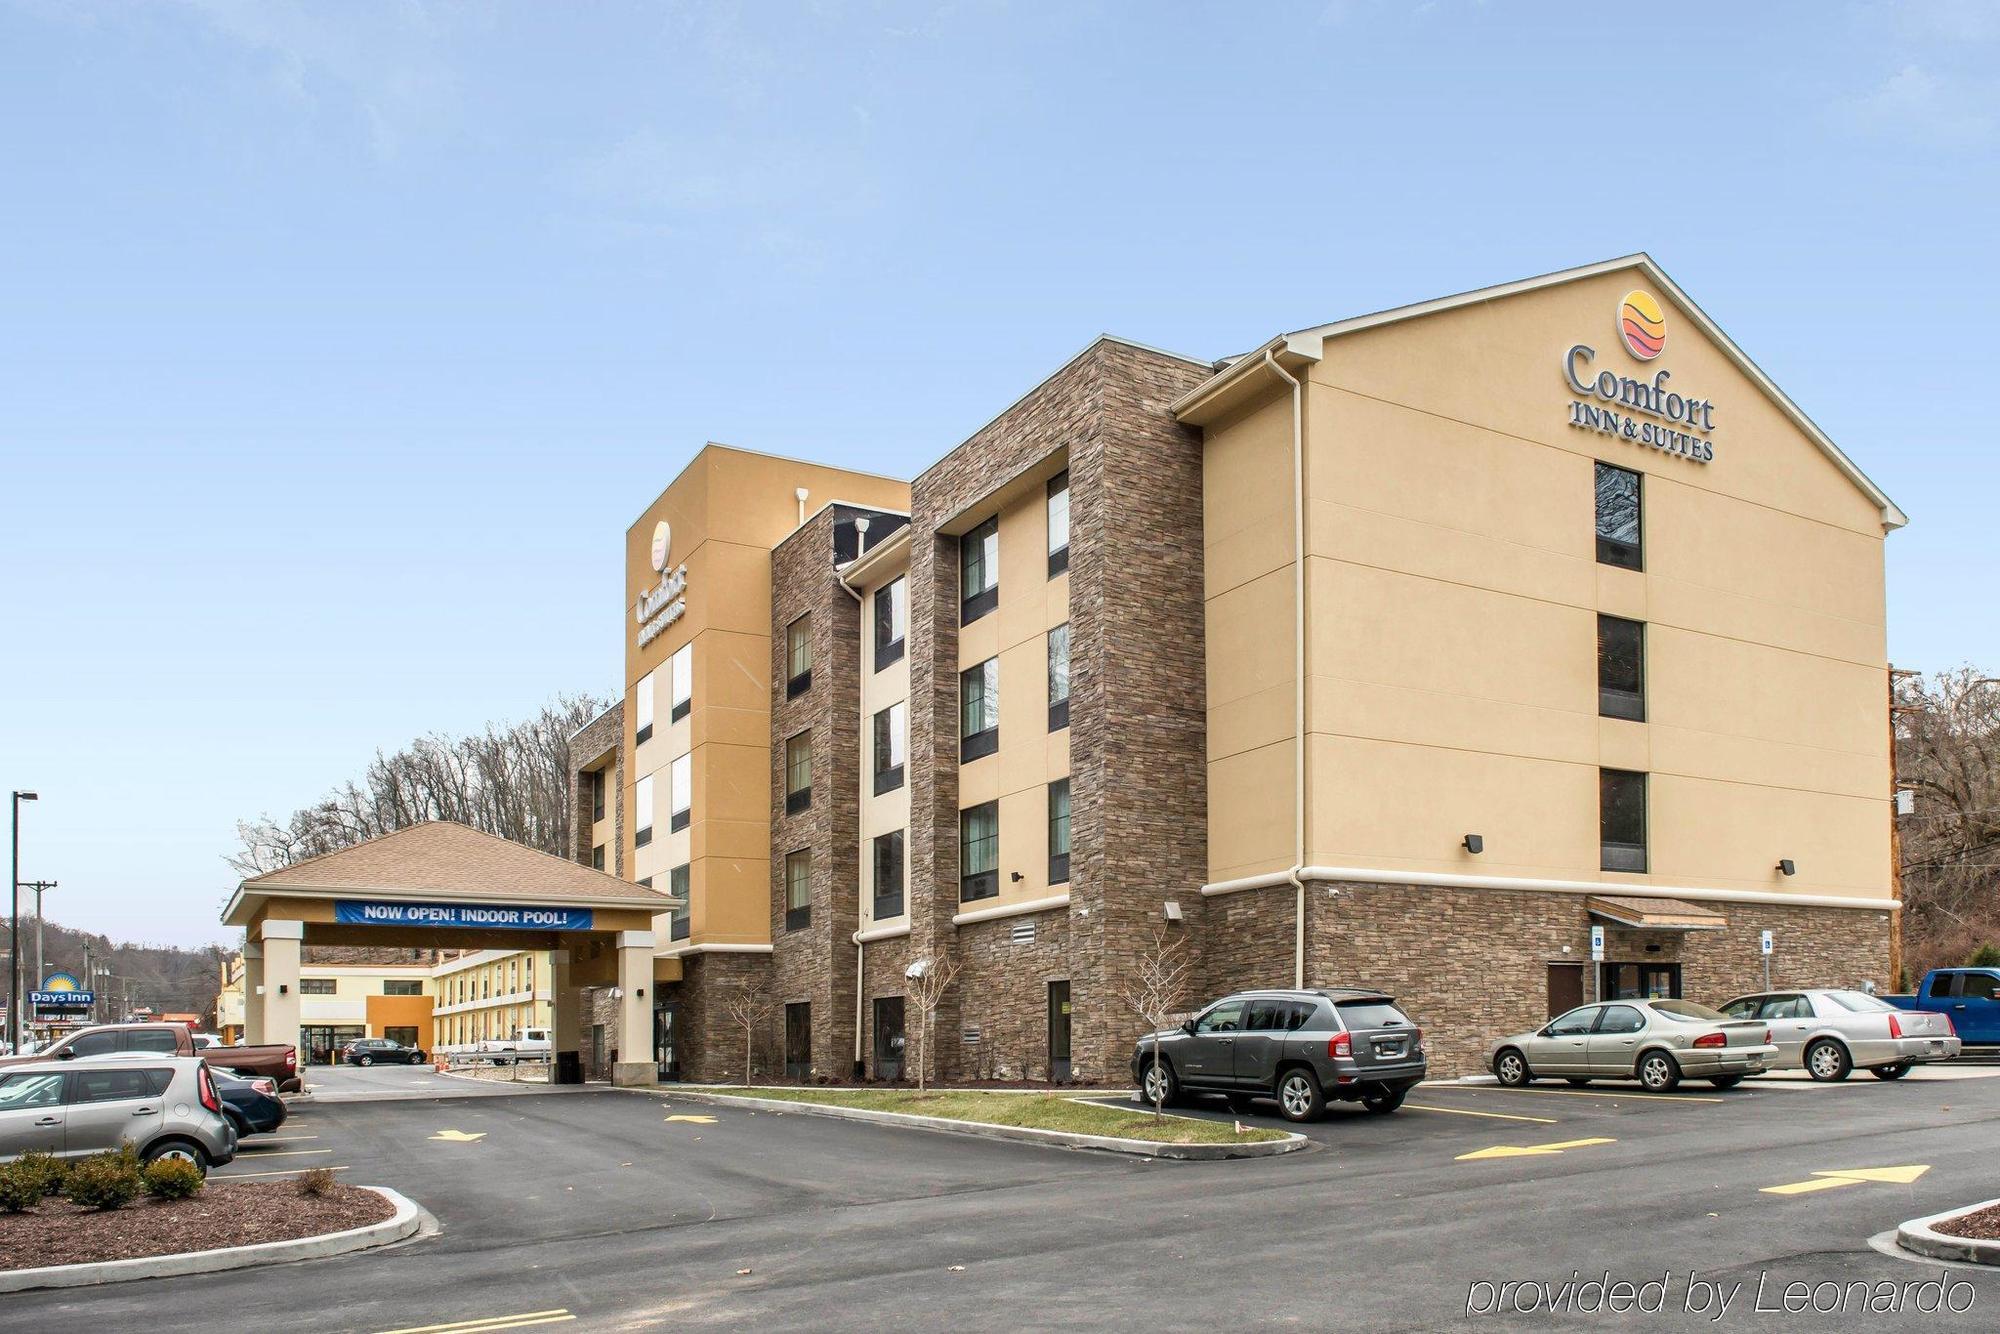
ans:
(66, 1054)
(1187, 1027)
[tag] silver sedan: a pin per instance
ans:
(1657, 1042)
(1829, 1031)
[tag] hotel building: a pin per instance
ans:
(1502, 651)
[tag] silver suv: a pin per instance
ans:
(1300, 1047)
(163, 1106)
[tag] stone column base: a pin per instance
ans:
(634, 1074)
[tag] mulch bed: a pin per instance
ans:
(1982, 1224)
(224, 1214)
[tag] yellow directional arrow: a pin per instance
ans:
(1901, 1176)
(1529, 1150)
(697, 1120)
(458, 1137)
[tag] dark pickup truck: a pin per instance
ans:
(270, 1060)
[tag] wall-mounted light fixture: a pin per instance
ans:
(1474, 844)
(1016, 877)
(1786, 867)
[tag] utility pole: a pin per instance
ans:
(14, 930)
(40, 887)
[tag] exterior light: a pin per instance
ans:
(1474, 844)
(1787, 867)
(1173, 910)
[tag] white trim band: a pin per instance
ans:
(1449, 880)
(711, 949)
(875, 933)
(1048, 904)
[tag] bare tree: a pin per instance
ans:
(748, 1008)
(1156, 992)
(1948, 753)
(929, 979)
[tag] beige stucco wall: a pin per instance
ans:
(1453, 594)
(727, 509)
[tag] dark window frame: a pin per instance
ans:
(1058, 556)
(319, 986)
(597, 858)
(404, 982)
(1623, 854)
(680, 883)
(798, 680)
(597, 798)
(973, 605)
(976, 745)
(1059, 708)
(888, 777)
(1059, 861)
(798, 799)
(890, 646)
(678, 709)
(887, 903)
(1617, 701)
(976, 885)
(1613, 550)
(800, 915)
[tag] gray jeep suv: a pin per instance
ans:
(1300, 1047)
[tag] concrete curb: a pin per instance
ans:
(1020, 1134)
(399, 1225)
(1920, 1235)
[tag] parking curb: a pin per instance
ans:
(1069, 1139)
(1921, 1235)
(404, 1223)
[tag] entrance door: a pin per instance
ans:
(1639, 981)
(888, 1037)
(666, 1016)
(798, 1040)
(1059, 1032)
(1565, 987)
(597, 1051)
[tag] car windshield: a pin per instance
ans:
(1858, 1001)
(1688, 1012)
(1373, 1013)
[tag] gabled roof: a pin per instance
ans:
(444, 861)
(1305, 345)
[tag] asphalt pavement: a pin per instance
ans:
(607, 1209)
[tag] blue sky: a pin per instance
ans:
(343, 341)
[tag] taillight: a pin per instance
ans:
(1950, 1027)
(1712, 1040)
(1339, 1046)
(291, 1058)
(1895, 1027)
(264, 1086)
(206, 1087)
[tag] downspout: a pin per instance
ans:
(1298, 667)
(860, 946)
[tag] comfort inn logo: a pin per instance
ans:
(1644, 412)
(1642, 325)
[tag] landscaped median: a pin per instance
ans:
(1970, 1232)
(1031, 1117)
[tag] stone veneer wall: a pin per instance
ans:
(1470, 965)
(709, 1042)
(603, 735)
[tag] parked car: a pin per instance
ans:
(1968, 997)
(271, 1060)
(385, 1051)
(1300, 1047)
(1829, 1031)
(526, 1044)
(163, 1106)
(1657, 1042)
(252, 1105)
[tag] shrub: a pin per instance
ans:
(20, 1187)
(316, 1182)
(104, 1180)
(48, 1169)
(1986, 956)
(172, 1179)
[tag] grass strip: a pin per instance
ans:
(1038, 1111)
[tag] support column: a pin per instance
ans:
(253, 993)
(635, 1064)
(565, 1015)
(280, 1001)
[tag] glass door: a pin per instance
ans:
(1059, 1032)
(888, 1037)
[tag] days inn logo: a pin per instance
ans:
(1642, 325)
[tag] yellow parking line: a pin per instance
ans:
(490, 1322)
(288, 1172)
(1588, 1093)
(1497, 1116)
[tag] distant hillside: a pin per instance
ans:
(162, 976)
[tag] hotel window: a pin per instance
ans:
(979, 852)
(402, 986)
(316, 986)
(798, 773)
(1059, 677)
(892, 621)
(979, 710)
(892, 732)
(680, 683)
(798, 888)
(1059, 831)
(642, 817)
(642, 710)
(1618, 517)
(597, 857)
(1059, 523)
(597, 794)
(1621, 820)
(680, 792)
(979, 571)
(798, 657)
(888, 877)
(1621, 668)
(680, 884)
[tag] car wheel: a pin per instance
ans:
(416, 1058)
(1659, 1072)
(1511, 1068)
(364, 1060)
(1159, 1085)
(1299, 1096)
(1828, 1062)
(1577, 1080)
(1384, 1101)
(179, 1149)
(1891, 1071)
(1726, 1081)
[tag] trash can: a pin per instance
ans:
(569, 1067)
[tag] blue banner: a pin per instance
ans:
(61, 1000)
(364, 912)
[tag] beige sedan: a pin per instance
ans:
(1657, 1042)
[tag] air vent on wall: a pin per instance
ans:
(1024, 932)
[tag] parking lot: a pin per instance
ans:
(607, 1209)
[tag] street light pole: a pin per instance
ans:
(14, 930)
